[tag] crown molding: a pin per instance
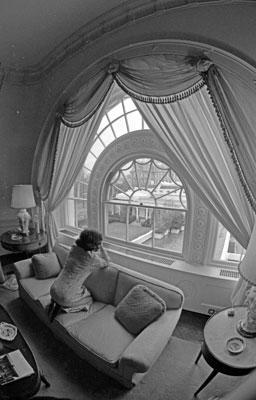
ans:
(116, 18)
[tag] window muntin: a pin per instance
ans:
(146, 205)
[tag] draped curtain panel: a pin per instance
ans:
(72, 148)
(235, 104)
(62, 158)
(191, 132)
(219, 167)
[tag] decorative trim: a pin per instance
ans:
(160, 99)
(106, 23)
(248, 193)
(200, 226)
(244, 277)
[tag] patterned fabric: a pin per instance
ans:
(139, 308)
(68, 289)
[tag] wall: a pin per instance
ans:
(20, 127)
(25, 103)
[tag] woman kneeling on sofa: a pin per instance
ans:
(68, 290)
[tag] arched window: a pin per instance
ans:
(146, 204)
(144, 210)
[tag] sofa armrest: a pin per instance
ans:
(23, 269)
(148, 345)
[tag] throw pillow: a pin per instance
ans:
(45, 265)
(139, 308)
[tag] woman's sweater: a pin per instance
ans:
(68, 289)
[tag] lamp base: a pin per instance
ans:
(244, 331)
(24, 218)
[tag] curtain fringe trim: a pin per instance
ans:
(228, 140)
(159, 99)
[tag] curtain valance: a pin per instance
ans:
(155, 78)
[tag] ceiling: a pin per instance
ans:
(37, 34)
(31, 29)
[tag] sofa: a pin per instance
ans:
(98, 336)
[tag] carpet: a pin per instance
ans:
(174, 376)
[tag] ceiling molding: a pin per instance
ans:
(118, 17)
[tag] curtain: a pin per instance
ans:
(158, 79)
(148, 74)
(61, 159)
(192, 136)
(234, 101)
(235, 104)
(72, 148)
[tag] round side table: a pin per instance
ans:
(13, 241)
(224, 348)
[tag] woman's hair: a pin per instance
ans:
(88, 239)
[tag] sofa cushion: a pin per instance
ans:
(102, 284)
(44, 301)
(102, 334)
(139, 308)
(172, 296)
(36, 288)
(62, 253)
(65, 319)
(45, 265)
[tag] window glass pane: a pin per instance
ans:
(90, 161)
(71, 215)
(115, 226)
(120, 127)
(97, 148)
(227, 248)
(143, 197)
(140, 226)
(175, 198)
(116, 112)
(103, 123)
(81, 213)
(134, 121)
(168, 230)
(107, 136)
(129, 105)
(144, 125)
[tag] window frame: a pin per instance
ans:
(207, 256)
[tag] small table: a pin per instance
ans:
(13, 241)
(218, 330)
(23, 388)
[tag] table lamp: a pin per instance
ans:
(247, 269)
(23, 198)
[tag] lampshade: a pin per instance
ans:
(22, 196)
(247, 267)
